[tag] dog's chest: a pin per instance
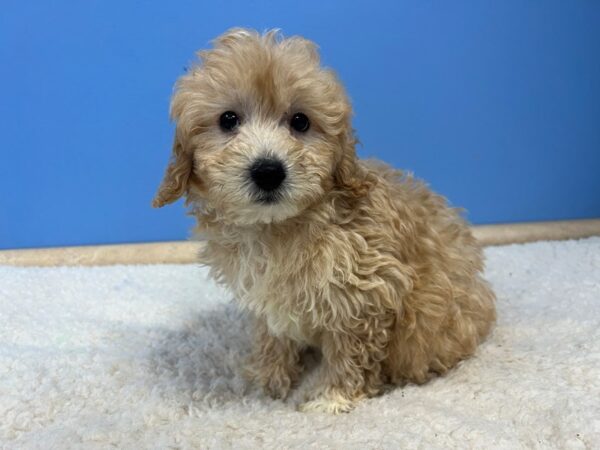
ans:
(275, 283)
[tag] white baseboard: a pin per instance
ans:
(184, 252)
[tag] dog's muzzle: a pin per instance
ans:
(267, 174)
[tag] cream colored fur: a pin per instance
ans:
(357, 259)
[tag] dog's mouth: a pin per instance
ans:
(267, 207)
(267, 198)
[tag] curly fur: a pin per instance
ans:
(356, 259)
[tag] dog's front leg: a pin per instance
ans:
(275, 362)
(351, 371)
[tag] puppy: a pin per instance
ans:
(325, 251)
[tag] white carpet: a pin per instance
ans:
(148, 357)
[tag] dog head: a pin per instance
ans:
(262, 130)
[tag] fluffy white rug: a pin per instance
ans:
(149, 357)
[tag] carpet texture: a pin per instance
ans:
(149, 357)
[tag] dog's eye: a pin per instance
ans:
(300, 122)
(229, 121)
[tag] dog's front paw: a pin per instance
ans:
(274, 381)
(331, 402)
(278, 388)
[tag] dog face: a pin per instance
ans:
(262, 130)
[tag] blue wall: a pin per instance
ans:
(496, 104)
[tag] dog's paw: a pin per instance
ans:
(330, 403)
(278, 388)
(274, 381)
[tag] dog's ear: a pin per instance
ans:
(175, 181)
(348, 174)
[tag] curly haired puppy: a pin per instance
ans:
(325, 251)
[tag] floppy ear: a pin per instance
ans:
(348, 175)
(175, 181)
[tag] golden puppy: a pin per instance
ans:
(352, 257)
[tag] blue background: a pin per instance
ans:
(495, 104)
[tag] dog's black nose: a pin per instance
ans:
(267, 173)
